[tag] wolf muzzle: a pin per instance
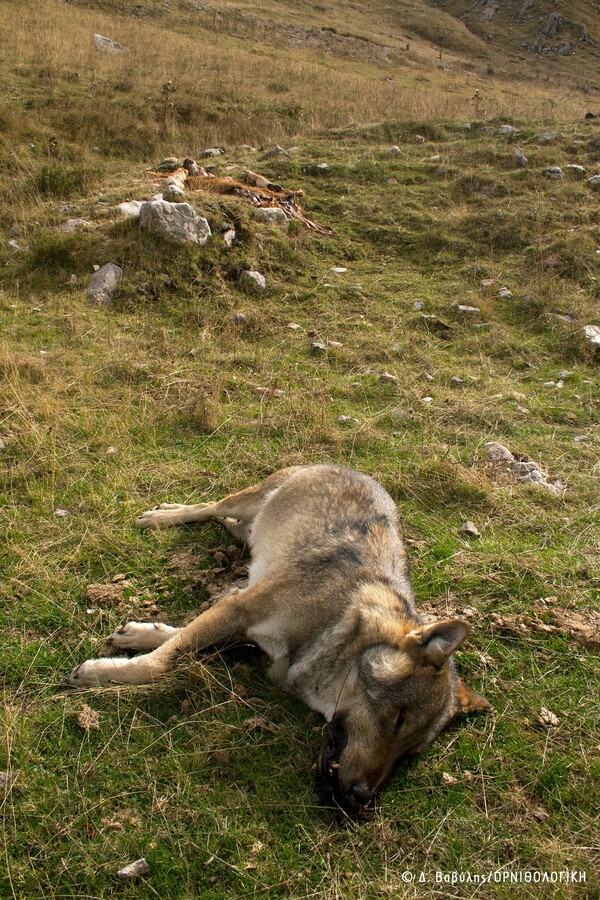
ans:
(358, 794)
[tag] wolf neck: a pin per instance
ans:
(375, 614)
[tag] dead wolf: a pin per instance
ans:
(329, 601)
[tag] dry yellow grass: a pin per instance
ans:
(226, 90)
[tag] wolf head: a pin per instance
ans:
(398, 695)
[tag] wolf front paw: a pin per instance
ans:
(142, 635)
(87, 674)
(159, 517)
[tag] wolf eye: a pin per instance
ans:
(399, 721)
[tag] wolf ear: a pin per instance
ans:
(435, 643)
(469, 701)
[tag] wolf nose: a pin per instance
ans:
(360, 794)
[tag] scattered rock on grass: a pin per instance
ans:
(388, 378)
(273, 215)
(229, 237)
(103, 283)
(554, 172)
(394, 150)
(134, 870)
(318, 349)
(520, 468)
(253, 281)
(496, 451)
(108, 45)
(594, 181)
(520, 158)
(178, 223)
(170, 164)
(211, 152)
(173, 193)
(468, 310)
(73, 225)
(504, 292)
(592, 335)
(130, 209)
(470, 529)
(348, 420)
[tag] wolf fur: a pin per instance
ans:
(329, 601)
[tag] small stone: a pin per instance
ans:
(388, 378)
(565, 373)
(275, 151)
(418, 304)
(323, 167)
(348, 420)
(211, 152)
(469, 529)
(335, 344)
(130, 209)
(468, 310)
(273, 215)
(575, 169)
(111, 451)
(103, 283)
(394, 150)
(240, 319)
(520, 158)
(74, 279)
(504, 292)
(317, 349)
(13, 245)
(594, 181)
(248, 149)
(496, 451)
(546, 136)
(592, 335)
(229, 237)
(339, 270)
(108, 45)
(389, 220)
(549, 384)
(170, 164)
(554, 172)
(61, 513)
(580, 437)
(73, 225)
(427, 400)
(293, 326)
(420, 139)
(507, 129)
(487, 282)
(392, 180)
(173, 194)
(254, 281)
(134, 870)
(456, 381)
(425, 376)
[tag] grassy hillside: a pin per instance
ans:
(168, 394)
